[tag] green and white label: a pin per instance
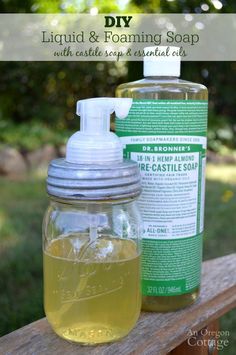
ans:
(168, 140)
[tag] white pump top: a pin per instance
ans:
(94, 143)
(164, 62)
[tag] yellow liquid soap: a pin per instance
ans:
(92, 289)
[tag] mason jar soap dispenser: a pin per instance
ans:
(91, 232)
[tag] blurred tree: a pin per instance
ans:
(48, 91)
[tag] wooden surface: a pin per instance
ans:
(155, 333)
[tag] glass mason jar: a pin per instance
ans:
(91, 251)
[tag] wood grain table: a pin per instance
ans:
(154, 334)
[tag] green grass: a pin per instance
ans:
(21, 211)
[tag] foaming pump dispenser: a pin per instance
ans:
(94, 143)
(91, 232)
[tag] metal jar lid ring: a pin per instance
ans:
(93, 182)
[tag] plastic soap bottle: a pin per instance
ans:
(91, 229)
(165, 132)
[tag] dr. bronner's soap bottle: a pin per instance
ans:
(165, 132)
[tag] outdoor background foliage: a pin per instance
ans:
(44, 93)
(37, 106)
